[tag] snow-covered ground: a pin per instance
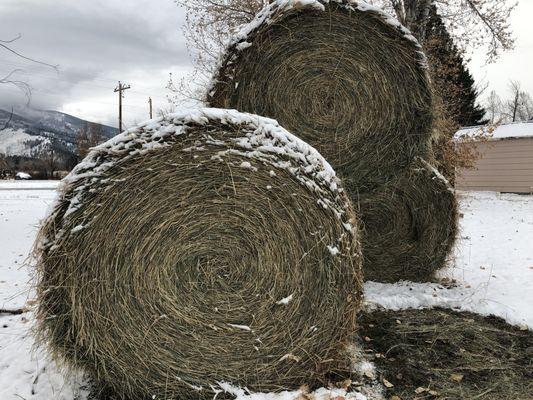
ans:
(493, 263)
(22, 205)
(493, 270)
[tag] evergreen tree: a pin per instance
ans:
(452, 79)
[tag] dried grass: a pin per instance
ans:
(409, 226)
(356, 88)
(175, 280)
(345, 81)
(442, 354)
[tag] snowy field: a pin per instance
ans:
(491, 273)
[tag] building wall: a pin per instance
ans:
(506, 166)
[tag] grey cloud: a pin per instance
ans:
(93, 42)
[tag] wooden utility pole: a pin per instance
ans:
(150, 102)
(120, 88)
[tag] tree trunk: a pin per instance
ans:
(416, 15)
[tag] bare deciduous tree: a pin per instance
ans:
(494, 107)
(472, 23)
(89, 135)
(210, 23)
(520, 106)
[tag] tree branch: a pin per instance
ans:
(17, 311)
(55, 67)
(8, 121)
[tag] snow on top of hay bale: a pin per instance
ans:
(263, 138)
(275, 10)
(263, 135)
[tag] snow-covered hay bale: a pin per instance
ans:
(409, 226)
(197, 249)
(340, 74)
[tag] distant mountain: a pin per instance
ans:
(30, 132)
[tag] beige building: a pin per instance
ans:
(506, 163)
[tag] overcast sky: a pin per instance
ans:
(98, 42)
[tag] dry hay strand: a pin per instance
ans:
(409, 226)
(442, 354)
(342, 75)
(199, 248)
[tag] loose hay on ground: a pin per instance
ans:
(409, 226)
(442, 354)
(343, 76)
(203, 247)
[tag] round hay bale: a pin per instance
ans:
(409, 226)
(199, 248)
(342, 75)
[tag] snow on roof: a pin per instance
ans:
(505, 131)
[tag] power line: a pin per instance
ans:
(83, 101)
(87, 82)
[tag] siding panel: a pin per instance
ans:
(505, 166)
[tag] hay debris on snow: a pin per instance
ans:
(162, 247)
(442, 354)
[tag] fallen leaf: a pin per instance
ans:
(345, 384)
(304, 389)
(367, 339)
(395, 398)
(456, 377)
(386, 383)
(419, 390)
(369, 374)
(433, 393)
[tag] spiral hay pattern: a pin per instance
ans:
(409, 226)
(353, 83)
(343, 76)
(196, 249)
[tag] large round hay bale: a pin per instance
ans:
(343, 76)
(409, 225)
(200, 248)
